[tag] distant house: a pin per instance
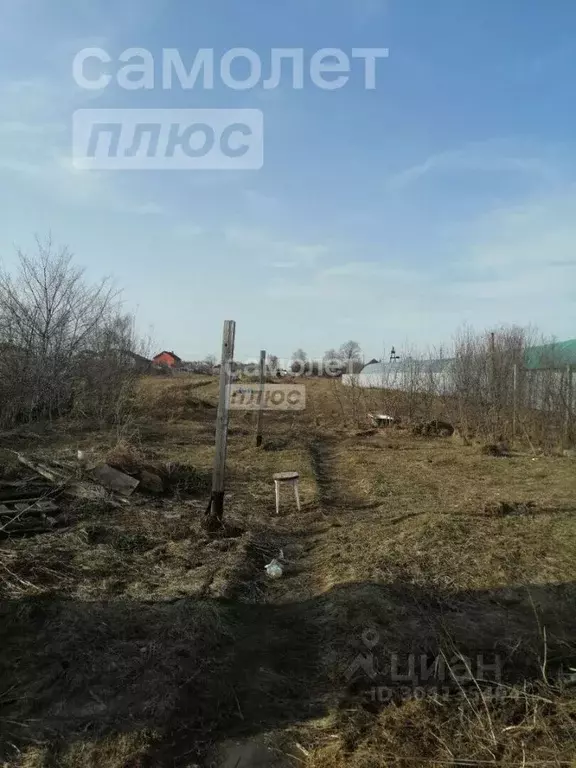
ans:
(137, 362)
(169, 359)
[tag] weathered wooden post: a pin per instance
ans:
(215, 513)
(492, 384)
(569, 399)
(514, 399)
(261, 398)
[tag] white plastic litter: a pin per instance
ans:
(274, 569)
(381, 419)
(569, 678)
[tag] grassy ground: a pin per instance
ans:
(133, 638)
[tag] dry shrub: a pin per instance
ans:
(126, 457)
(507, 384)
(496, 395)
(66, 346)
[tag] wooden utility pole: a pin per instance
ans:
(215, 512)
(261, 398)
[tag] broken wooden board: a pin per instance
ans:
(32, 507)
(37, 506)
(31, 494)
(114, 480)
(26, 526)
(49, 473)
(103, 478)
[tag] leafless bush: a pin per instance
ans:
(65, 344)
(498, 385)
(353, 402)
(502, 392)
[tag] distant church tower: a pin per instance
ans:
(393, 356)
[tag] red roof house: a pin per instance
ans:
(167, 358)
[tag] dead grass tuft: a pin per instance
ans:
(520, 726)
(126, 457)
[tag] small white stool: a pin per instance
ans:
(286, 477)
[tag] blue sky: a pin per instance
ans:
(445, 196)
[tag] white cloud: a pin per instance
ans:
(524, 258)
(514, 265)
(274, 251)
(487, 157)
(536, 233)
(36, 146)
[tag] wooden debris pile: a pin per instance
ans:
(26, 506)
(32, 504)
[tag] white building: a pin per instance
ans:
(405, 375)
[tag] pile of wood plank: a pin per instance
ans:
(31, 504)
(27, 506)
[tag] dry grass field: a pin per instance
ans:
(130, 637)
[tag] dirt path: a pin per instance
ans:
(279, 668)
(334, 493)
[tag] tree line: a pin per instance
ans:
(346, 359)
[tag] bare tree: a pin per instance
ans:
(351, 354)
(351, 350)
(207, 365)
(64, 341)
(299, 361)
(333, 364)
